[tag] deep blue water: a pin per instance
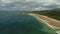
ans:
(11, 23)
(18, 24)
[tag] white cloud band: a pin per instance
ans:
(30, 4)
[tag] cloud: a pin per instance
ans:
(41, 8)
(29, 4)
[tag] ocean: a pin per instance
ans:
(12, 23)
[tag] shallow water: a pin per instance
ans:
(20, 24)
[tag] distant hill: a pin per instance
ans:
(55, 13)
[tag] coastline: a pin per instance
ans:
(51, 26)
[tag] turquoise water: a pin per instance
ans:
(20, 24)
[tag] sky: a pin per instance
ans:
(29, 4)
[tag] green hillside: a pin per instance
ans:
(50, 13)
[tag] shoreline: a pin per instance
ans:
(51, 26)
